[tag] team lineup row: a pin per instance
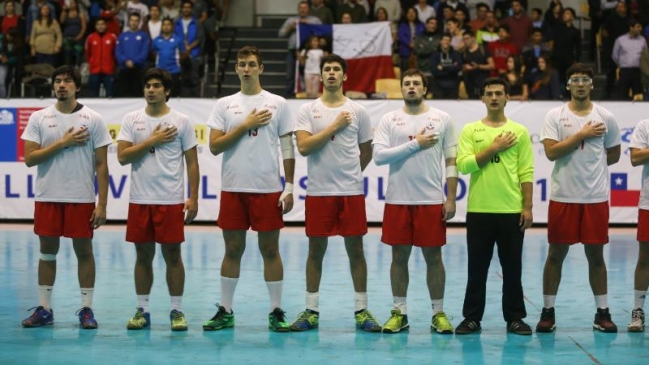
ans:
(254, 132)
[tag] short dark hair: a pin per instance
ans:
(187, 2)
(331, 58)
(633, 23)
(505, 27)
(482, 5)
(66, 70)
(494, 81)
(537, 10)
(469, 32)
(579, 68)
(137, 15)
(160, 74)
(246, 51)
(571, 10)
(453, 20)
(536, 30)
(415, 72)
(167, 19)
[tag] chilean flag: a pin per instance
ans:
(367, 48)
(620, 195)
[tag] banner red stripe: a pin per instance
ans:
(625, 198)
(362, 73)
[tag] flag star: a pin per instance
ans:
(619, 181)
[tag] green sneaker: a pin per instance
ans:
(366, 321)
(277, 321)
(396, 323)
(139, 321)
(221, 320)
(440, 324)
(178, 322)
(306, 320)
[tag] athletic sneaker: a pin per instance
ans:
(40, 317)
(546, 323)
(366, 321)
(277, 321)
(637, 321)
(519, 327)
(177, 319)
(306, 320)
(87, 318)
(603, 321)
(441, 324)
(396, 323)
(139, 321)
(467, 326)
(221, 320)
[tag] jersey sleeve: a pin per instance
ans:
(217, 118)
(285, 122)
(450, 135)
(188, 135)
(466, 161)
(639, 138)
(303, 122)
(126, 130)
(550, 129)
(32, 132)
(365, 132)
(382, 133)
(525, 157)
(612, 137)
(100, 135)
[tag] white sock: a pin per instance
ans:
(601, 301)
(640, 296)
(548, 301)
(275, 294)
(45, 296)
(360, 301)
(400, 304)
(313, 301)
(438, 305)
(177, 303)
(228, 285)
(143, 302)
(86, 297)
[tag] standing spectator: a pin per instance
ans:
(552, 19)
(446, 65)
(409, 28)
(382, 16)
(357, 12)
(169, 9)
(34, 13)
(131, 53)
(536, 16)
(310, 57)
(626, 55)
(135, 7)
(520, 26)
(480, 20)
(425, 45)
(582, 139)
(318, 9)
(393, 8)
(110, 13)
(644, 71)
(191, 35)
(544, 83)
(497, 152)
(100, 54)
(153, 26)
(453, 28)
(166, 48)
(11, 19)
(616, 25)
(477, 64)
(515, 79)
(288, 30)
(488, 33)
(158, 142)
(566, 45)
(501, 50)
(424, 11)
(46, 38)
(12, 58)
(533, 50)
(345, 18)
(68, 142)
(74, 23)
(199, 10)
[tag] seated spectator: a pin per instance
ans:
(169, 9)
(446, 14)
(346, 18)
(189, 30)
(488, 33)
(446, 67)
(461, 17)
(425, 45)
(100, 54)
(358, 12)
(477, 65)
(514, 76)
(501, 50)
(167, 46)
(319, 10)
(424, 11)
(453, 28)
(73, 23)
(131, 53)
(533, 50)
(46, 38)
(543, 84)
(11, 19)
(409, 28)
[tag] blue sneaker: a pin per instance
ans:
(306, 320)
(40, 317)
(87, 318)
(139, 321)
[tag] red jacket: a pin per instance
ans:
(100, 53)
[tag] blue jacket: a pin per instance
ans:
(132, 46)
(194, 32)
(167, 53)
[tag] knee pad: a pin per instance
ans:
(48, 257)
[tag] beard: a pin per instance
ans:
(414, 102)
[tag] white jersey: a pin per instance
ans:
(335, 169)
(582, 175)
(69, 176)
(640, 140)
(418, 178)
(252, 164)
(159, 176)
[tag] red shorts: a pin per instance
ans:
(155, 223)
(63, 219)
(327, 216)
(643, 225)
(259, 211)
(570, 223)
(418, 225)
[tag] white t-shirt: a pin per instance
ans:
(581, 176)
(418, 178)
(159, 176)
(69, 176)
(139, 8)
(312, 63)
(424, 14)
(335, 169)
(640, 140)
(252, 164)
(154, 29)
